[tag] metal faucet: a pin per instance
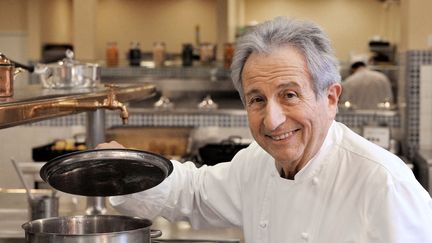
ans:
(110, 103)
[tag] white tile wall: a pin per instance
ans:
(425, 122)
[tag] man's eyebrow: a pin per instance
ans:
(252, 92)
(288, 85)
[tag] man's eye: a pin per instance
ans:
(255, 100)
(290, 95)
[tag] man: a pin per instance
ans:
(306, 178)
(366, 88)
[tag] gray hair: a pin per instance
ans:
(305, 36)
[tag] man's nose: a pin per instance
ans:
(274, 116)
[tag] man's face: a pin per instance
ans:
(285, 116)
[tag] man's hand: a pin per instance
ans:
(110, 145)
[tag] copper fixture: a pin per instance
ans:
(110, 103)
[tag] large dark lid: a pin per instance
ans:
(106, 172)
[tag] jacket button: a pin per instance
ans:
(315, 181)
(263, 224)
(305, 236)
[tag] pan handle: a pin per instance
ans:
(26, 67)
(155, 233)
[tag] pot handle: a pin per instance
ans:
(155, 233)
(25, 67)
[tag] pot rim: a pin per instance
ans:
(27, 226)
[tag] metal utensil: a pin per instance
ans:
(21, 177)
(43, 207)
(39, 206)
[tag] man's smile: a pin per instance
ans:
(282, 136)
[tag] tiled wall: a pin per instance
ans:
(208, 119)
(412, 60)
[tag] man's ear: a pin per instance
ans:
(333, 93)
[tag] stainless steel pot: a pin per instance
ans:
(90, 229)
(68, 73)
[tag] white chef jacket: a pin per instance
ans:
(351, 191)
(366, 88)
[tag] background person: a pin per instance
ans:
(306, 177)
(366, 88)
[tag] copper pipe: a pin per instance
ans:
(110, 103)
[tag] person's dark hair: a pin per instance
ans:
(306, 37)
(356, 65)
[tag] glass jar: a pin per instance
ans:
(207, 53)
(187, 55)
(135, 54)
(112, 54)
(228, 54)
(159, 54)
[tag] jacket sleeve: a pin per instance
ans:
(205, 196)
(401, 212)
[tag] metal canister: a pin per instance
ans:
(43, 207)
(7, 69)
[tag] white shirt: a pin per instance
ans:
(366, 88)
(351, 191)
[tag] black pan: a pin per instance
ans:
(106, 172)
